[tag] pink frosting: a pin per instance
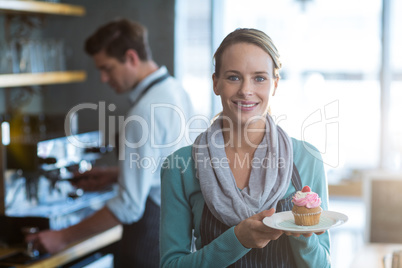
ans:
(306, 199)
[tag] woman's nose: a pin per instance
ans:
(245, 89)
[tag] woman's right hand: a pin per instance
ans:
(253, 233)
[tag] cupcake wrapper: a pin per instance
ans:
(307, 214)
(307, 219)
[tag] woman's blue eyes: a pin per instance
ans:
(233, 78)
(236, 78)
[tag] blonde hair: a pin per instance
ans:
(252, 36)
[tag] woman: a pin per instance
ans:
(240, 170)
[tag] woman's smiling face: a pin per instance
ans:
(246, 82)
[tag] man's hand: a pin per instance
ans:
(55, 241)
(96, 179)
(48, 241)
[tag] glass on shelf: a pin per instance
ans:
(60, 60)
(50, 1)
(32, 56)
(25, 57)
(6, 59)
(38, 56)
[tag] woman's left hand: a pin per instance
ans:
(304, 234)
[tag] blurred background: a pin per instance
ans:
(340, 89)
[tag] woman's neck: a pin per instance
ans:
(240, 146)
(242, 139)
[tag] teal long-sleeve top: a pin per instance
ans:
(182, 204)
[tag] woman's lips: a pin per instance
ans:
(246, 105)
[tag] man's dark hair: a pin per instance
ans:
(117, 37)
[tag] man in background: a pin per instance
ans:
(152, 130)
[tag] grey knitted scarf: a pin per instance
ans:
(269, 179)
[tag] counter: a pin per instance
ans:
(372, 254)
(73, 252)
(346, 189)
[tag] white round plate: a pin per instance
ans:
(285, 221)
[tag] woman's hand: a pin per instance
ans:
(304, 234)
(253, 233)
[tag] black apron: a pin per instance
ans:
(276, 254)
(139, 245)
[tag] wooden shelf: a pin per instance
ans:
(28, 79)
(38, 7)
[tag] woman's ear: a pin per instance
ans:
(215, 84)
(276, 82)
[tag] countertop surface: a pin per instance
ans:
(73, 252)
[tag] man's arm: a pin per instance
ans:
(55, 241)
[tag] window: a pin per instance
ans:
(329, 92)
(193, 56)
(394, 154)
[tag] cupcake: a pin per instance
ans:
(306, 209)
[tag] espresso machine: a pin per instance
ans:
(37, 184)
